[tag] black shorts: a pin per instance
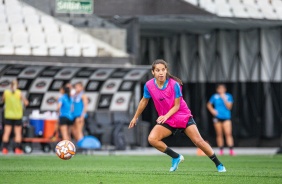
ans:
(13, 122)
(215, 120)
(180, 130)
(65, 121)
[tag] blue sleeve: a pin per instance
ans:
(146, 93)
(60, 100)
(230, 98)
(177, 90)
(212, 99)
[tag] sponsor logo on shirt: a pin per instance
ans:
(161, 99)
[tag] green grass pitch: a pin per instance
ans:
(138, 169)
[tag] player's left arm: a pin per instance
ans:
(24, 100)
(85, 105)
(173, 110)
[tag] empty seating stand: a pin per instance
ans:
(26, 31)
(255, 9)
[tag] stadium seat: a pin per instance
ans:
(279, 12)
(51, 28)
(13, 10)
(19, 27)
(15, 19)
(85, 40)
(28, 11)
(254, 12)
(7, 49)
(57, 50)
(210, 6)
(23, 27)
(41, 50)
(4, 28)
(90, 51)
(46, 20)
(203, 3)
(20, 38)
(267, 10)
(269, 14)
(23, 50)
(66, 29)
(240, 11)
(36, 39)
(276, 3)
(69, 39)
(223, 10)
(53, 40)
(31, 20)
(5, 38)
(3, 18)
(34, 28)
(74, 51)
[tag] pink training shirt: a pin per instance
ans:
(164, 101)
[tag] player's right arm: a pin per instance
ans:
(142, 105)
(210, 106)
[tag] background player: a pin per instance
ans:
(220, 105)
(174, 114)
(13, 113)
(65, 106)
(80, 103)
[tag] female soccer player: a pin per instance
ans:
(174, 114)
(65, 112)
(13, 114)
(220, 105)
(80, 104)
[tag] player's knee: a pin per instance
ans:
(228, 135)
(152, 140)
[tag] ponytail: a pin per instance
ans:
(68, 92)
(161, 61)
(175, 78)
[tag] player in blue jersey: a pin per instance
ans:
(64, 109)
(220, 105)
(80, 103)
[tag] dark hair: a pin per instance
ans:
(161, 61)
(67, 91)
(220, 84)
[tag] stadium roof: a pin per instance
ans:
(202, 24)
(145, 7)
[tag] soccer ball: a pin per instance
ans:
(65, 150)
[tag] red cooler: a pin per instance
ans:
(50, 127)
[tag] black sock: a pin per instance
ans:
(5, 145)
(171, 153)
(231, 147)
(18, 145)
(221, 148)
(215, 160)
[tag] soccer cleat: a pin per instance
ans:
(176, 162)
(221, 168)
(231, 153)
(5, 151)
(221, 152)
(18, 151)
